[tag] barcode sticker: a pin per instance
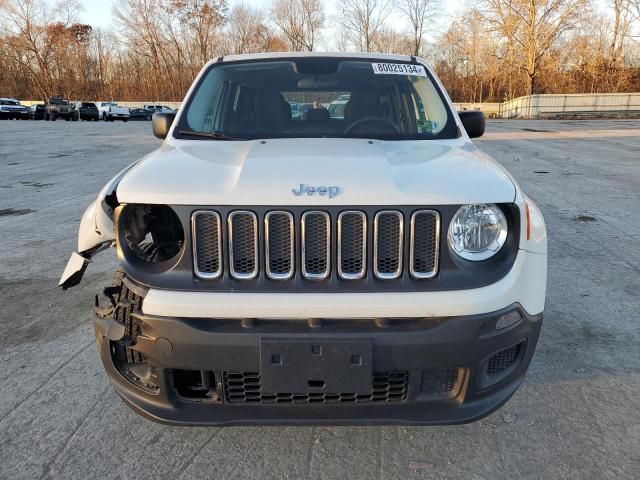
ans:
(398, 69)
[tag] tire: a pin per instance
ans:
(148, 117)
(125, 120)
(104, 116)
(53, 118)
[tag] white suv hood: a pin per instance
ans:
(367, 172)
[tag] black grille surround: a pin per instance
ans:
(452, 273)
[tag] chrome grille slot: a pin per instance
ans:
(424, 243)
(316, 243)
(243, 244)
(273, 243)
(207, 244)
(352, 244)
(278, 231)
(387, 244)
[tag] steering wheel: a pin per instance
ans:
(372, 122)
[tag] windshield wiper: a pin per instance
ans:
(212, 135)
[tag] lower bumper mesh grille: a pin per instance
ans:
(442, 382)
(504, 360)
(245, 387)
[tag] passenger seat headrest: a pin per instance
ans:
(270, 108)
(318, 115)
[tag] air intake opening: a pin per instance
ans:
(504, 360)
(441, 382)
(195, 384)
(501, 364)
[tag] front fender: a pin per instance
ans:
(96, 232)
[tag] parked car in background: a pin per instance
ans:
(110, 111)
(304, 108)
(158, 108)
(336, 108)
(295, 110)
(38, 111)
(140, 114)
(87, 111)
(59, 107)
(12, 108)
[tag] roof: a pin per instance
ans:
(269, 55)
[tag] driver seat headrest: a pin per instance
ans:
(363, 103)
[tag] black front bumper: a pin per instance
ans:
(471, 369)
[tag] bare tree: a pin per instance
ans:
(34, 37)
(361, 21)
(419, 12)
(247, 32)
(300, 22)
(532, 27)
(387, 40)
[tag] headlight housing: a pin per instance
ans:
(477, 232)
(150, 233)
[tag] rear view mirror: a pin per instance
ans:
(161, 123)
(473, 122)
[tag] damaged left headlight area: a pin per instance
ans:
(148, 236)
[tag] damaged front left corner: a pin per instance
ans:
(96, 232)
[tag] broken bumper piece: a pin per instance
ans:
(74, 271)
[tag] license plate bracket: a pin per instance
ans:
(311, 366)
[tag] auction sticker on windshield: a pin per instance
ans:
(398, 69)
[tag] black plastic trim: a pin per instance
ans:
(409, 345)
(454, 272)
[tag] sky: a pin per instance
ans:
(98, 13)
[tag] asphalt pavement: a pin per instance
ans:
(576, 416)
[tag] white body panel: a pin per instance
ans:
(438, 172)
(524, 284)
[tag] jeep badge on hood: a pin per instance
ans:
(332, 191)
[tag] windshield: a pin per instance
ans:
(317, 97)
(58, 101)
(9, 102)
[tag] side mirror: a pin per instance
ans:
(161, 123)
(473, 122)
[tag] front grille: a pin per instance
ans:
(352, 244)
(504, 360)
(316, 238)
(245, 387)
(441, 382)
(425, 236)
(281, 244)
(207, 244)
(388, 238)
(243, 244)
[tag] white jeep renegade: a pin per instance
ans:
(371, 267)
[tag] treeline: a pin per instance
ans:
(492, 51)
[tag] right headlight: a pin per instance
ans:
(477, 232)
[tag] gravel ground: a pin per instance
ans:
(576, 416)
